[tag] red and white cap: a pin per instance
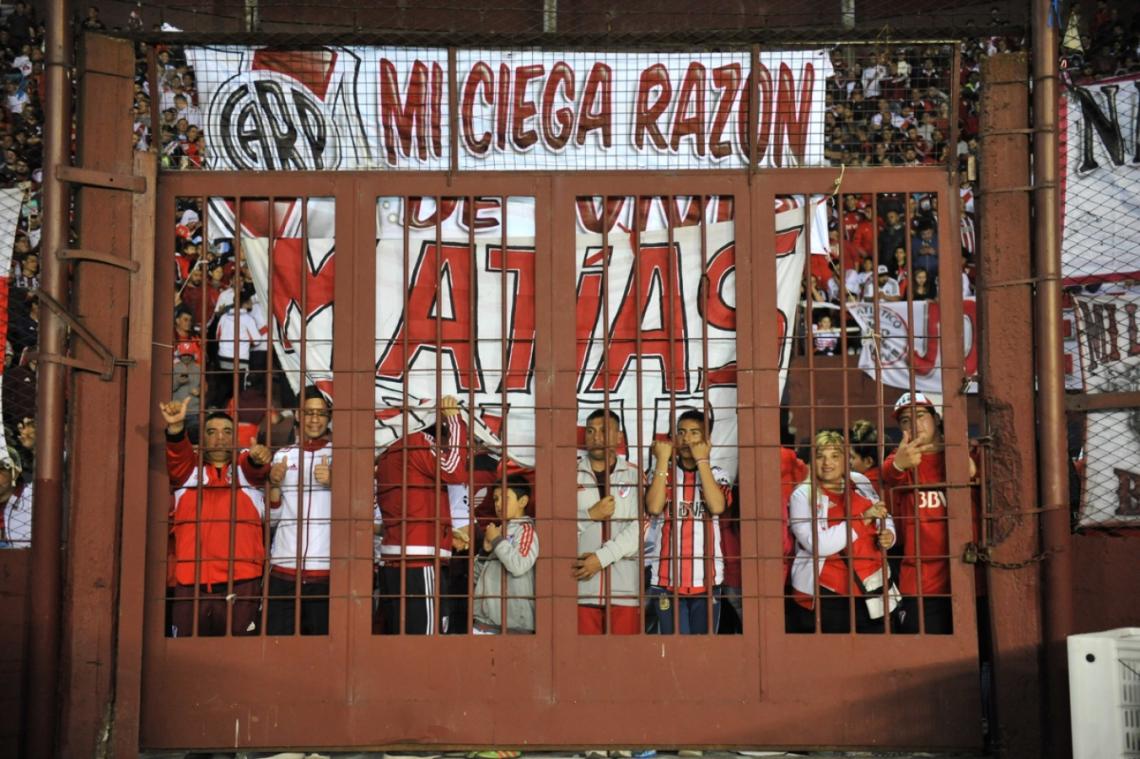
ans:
(918, 398)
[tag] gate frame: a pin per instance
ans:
(929, 679)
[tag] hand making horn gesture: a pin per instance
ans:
(174, 414)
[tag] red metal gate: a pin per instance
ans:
(556, 688)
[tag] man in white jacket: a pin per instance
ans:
(300, 497)
(609, 531)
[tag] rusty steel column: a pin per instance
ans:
(1052, 445)
(1005, 298)
(44, 588)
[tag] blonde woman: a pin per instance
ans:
(840, 557)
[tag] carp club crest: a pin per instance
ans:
(292, 110)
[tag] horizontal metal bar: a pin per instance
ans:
(1100, 401)
(110, 361)
(93, 178)
(98, 256)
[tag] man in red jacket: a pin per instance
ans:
(412, 476)
(212, 499)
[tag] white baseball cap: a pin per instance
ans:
(907, 400)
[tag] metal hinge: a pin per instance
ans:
(108, 360)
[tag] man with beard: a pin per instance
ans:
(609, 530)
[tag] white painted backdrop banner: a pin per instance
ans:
(345, 108)
(1110, 363)
(899, 350)
(1100, 159)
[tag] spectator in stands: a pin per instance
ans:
(609, 532)
(864, 443)
(417, 521)
(923, 287)
(15, 503)
(300, 497)
(825, 336)
(217, 512)
(505, 566)
(838, 551)
(691, 494)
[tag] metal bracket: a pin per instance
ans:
(83, 254)
(104, 179)
(109, 362)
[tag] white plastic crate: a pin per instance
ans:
(1104, 694)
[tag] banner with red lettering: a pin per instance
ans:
(1110, 363)
(896, 346)
(1100, 165)
(655, 314)
(346, 108)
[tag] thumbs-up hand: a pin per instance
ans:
(322, 472)
(277, 474)
(260, 454)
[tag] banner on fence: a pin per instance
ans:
(682, 299)
(894, 348)
(1110, 363)
(1100, 159)
(345, 108)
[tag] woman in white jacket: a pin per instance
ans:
(842, 531)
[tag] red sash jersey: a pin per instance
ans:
(691, 551)
(410, 516)
(204, 506)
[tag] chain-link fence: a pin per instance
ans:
(1101, 261)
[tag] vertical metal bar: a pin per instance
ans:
(753, 112)
(843, 295)
(640, 400)
(667, 290)
(473, 347)
(1050, 365)
(235, 450)
(453, 117)
(437, 563)
(305, 458)
(709, 550)
(402, 561)
(270, 339)
(912, 492)
(155, 97)
(813, 489)
(604, 580)
(505, 437)
(875, 301)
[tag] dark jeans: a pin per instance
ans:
(212, 608)
(692, 613)
(938, 618)
(834, 615)
(280, 617)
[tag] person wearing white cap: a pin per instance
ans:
(921, 515)
(888, 286)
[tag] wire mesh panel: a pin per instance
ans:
(1101, 234)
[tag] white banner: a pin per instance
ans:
(674, 373)
(1110, 361)
(345, 108)
(1100, 159)
(894, 351)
